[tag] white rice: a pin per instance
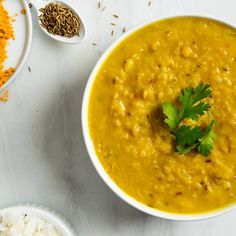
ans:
(25, 225)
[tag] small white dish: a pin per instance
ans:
(18, 49)
(95, 159)
(43, 213)
(38, 4)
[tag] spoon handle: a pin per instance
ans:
(36, 3)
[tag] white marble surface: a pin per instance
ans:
(42, 155)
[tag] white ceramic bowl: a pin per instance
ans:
(95, 160)
(45, 214)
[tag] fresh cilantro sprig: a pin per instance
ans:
(192, 103)
(207, 140)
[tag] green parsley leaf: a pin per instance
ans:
(207, 140)
(184, 150)
(188, 99)
(186, 135)
(171, 112)
(195, 112)
(186, 138)
(190, 138)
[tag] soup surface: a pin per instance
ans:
(126, 124)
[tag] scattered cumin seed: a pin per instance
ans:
(208, 161)
(124, 29)
(30, 5)
(112, 32)
(113, 24)
(103, 9)
(149, 3)
(116, 16)
(178, 193)
(99, 4)
(95, 44)
(29, 69)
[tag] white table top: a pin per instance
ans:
(42, 154)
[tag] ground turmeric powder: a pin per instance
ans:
(6, 33)
(4, 96)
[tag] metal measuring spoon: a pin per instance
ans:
(38, 4)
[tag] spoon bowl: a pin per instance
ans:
(38, 4)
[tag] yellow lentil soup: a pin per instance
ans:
(126, 124)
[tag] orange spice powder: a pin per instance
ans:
(6, 33)
(4, 96)
(23, 12)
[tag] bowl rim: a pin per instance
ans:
(27, 47)
(92, 152)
